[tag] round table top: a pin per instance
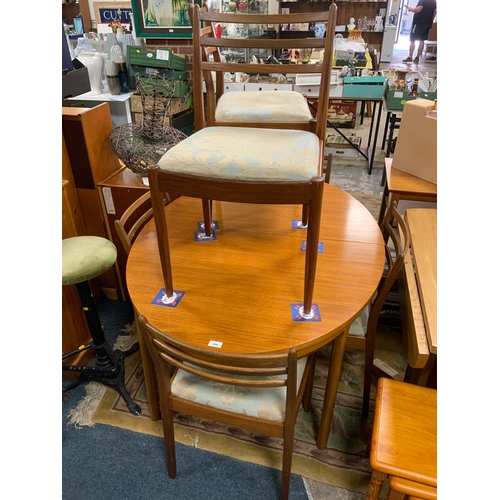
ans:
(239, 289)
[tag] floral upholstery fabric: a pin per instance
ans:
(246, 154)
(359, 325)
(268, 403)
(266, 106)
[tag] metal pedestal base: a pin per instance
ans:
(108, 367)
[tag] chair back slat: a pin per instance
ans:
(206, 44)
(398, 243)
(219, 367)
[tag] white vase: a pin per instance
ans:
(94, 63)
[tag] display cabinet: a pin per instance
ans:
(246, 31)
(345, 11)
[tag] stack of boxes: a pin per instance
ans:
(162, 62)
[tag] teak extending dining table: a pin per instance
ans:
(238, 291)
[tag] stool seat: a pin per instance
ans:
(86, 257)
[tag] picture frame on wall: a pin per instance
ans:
(161, 18)
(107, 12)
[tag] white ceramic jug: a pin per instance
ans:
(94, 63)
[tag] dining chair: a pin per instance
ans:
(217, 58)
(287, 109)
(261, 392)
(249, 164)
(133, 219)
(363, 330)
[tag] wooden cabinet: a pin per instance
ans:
(345, 10)
(91, 160)
(75, 329)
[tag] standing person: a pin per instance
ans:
(424, 15)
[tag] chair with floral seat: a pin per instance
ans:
(261, 393)
(248, 164)
(242, 108)
(363, 330)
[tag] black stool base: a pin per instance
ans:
(112, 377)
(109, 368)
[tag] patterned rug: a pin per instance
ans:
(345, 462)
(370, 201)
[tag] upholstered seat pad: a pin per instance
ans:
(268, 403)
(86, 257)
(360, 324)
(265, 106)
(246, 154)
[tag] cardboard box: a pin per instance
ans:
(76, 82)
(364, 86)
(416, 147)
(396, 99)
(177, 104)
(342, 114)
(338, 146)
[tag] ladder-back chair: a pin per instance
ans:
(364, 328)
(249, 164)
(270, 389)
(243, 108)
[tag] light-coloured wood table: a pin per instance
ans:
(404, 489)
(239, 288)
(419, 305)
(404, 440)
(400, 185)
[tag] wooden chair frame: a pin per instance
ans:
(401, 244)
(166, 352)
(308, 194)
(207, 59)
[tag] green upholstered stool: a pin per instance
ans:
(84, 258)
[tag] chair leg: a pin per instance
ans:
(305, 215)
(286, 469)
(306, 399)
(313, 228)
(328, 169)
(395, 495)
(169, 439)
(367, 383)
(149, 375)
(375, 485)
(207, 216)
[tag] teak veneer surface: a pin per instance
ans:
(422, 224)
(239, 289)
(404, 441)
(416, 491)
(402, 182)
